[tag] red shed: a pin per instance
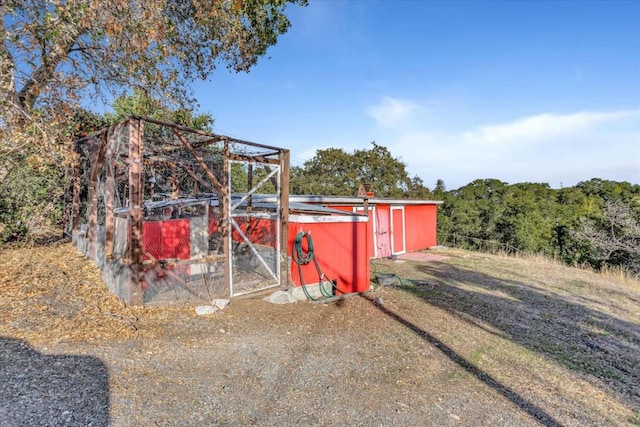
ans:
(396, 226)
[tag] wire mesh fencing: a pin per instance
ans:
(173, 215)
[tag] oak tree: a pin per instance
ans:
(55, 53)
(58, 55)
(334, 172)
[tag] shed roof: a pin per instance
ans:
(342, 200)
(257, 202)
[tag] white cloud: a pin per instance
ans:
(545, 148)
(551, 148)
(546, 126)
(391, 112)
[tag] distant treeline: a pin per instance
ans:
(596, 222)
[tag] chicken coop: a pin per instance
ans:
(171, 214)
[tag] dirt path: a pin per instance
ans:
(480, 340)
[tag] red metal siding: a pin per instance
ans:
(262, 231)
(341, 251)
(167, 239)
(371, 252)
(420, 222)
(370, 241)
(346, 208)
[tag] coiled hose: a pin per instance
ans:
(301, 258)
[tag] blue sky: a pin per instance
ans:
(521, 91)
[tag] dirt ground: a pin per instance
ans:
(461, 339)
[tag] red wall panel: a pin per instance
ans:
(262, 231)
(346, 208)
(370, 241)
(341, 251)
(420, 222)
(167, 239)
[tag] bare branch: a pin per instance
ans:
(618, 235)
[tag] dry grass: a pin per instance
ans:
(617, 273)
(475, 339)
(584, 321)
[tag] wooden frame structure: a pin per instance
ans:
(116, 175)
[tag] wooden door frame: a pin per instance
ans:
(393, 231)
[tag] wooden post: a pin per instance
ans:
(93, 202)
(136, 202)
(249, 186)
(285, 156)
(110, 190)
(96, 167)
(225, 228)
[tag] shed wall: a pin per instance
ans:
(359, 209)
(420, 223)
(341, 251)
(370, 230)
(420, 226)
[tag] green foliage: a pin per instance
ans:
(240, 178)
(61, 50)
(30, 200)
(54, 55)
(595, 222)
(141, 103)
(334, 172)
(12, 225)
(32, 184)
(486, 213)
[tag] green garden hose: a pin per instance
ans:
(301, 258)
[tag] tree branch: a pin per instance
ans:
(58, 53)
(7, 63)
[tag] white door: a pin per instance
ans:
(397, 230)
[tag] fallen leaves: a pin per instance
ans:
(53, 293)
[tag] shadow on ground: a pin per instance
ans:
(581, 338)
(39, 389)
(535, 411)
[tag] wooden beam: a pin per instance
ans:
(110, 190)
(285, 157)
(136, 202)
(273, 179)
(213, 137)
(99, 159)
(96, 167)
(225, 228)
(201, 162)
(196, 178)
(258, 159)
